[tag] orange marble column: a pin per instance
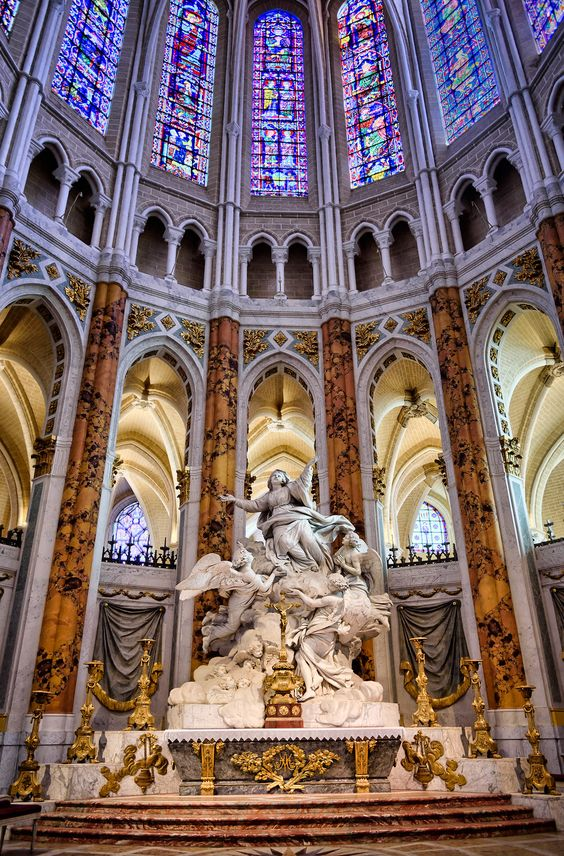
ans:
(343, 462)
(63, 618)
(218, 460)
(497, 629)
(6, 229)
(550, 236)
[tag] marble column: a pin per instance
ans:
(67, 176)
(495, 619)
(6, 229)
(63, 618)
(550, 236)
(343, 462)
(486, 188)
(100, 202)
(218, 459)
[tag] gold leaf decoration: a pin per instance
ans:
(365, 338)
(500, 277)
(253, 344)
(530, 268)
(417, 325)
(282, 759)
(280, 338)
(307, 345)
(53, 271)
(390, 325)
(476, 297)
(167, 322)
(194, 335)
(78, 292)
(21, 260)
(138, 321)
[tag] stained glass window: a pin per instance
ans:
(181, 144)
(430, 528)
(545, 16)
(462, 63)
(278, 145)
(130, 532)
(86, 70)
(8, 9)
(371, 116)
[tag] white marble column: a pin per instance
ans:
(208, 248)
(552, 127)
(314, 258)
(416, 229)
(138, 227)
(100, 202)
(451, 210)
(351, 250)
(280, 257)
(173, 237)
(245, 256)
(66, 176)
(384, 241)
(486, 187)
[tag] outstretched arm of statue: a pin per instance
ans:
(251, 505)
(315, 602)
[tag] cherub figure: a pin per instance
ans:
(237, 577)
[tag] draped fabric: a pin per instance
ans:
(558, 600)
(118, 644)
(444, 643)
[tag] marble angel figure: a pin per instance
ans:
(236, 577)
(297, 537)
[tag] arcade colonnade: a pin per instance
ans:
(166, 342)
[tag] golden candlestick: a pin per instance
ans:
(483, 743)
(282, 709)
(83, 749)
(424, 714)
(539, 779)
(141, 718)
(27, 786)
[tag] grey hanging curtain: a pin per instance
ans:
(444, 643)
(558, 600)
(118, 645)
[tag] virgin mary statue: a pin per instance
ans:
(297, 536)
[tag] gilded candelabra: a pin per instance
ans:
(424, 714)
(483, 743)
(280, 688)
(141, 718)
(27, 786)
(539, 779)
(83, 749)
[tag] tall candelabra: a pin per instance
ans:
(26, 786)
(424, 714)
(483, 742)
(83, 749)
(141, 718)
(538, 779)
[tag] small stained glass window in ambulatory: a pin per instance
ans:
(8, 9)
(430, 528)
(86, 69)
(130, 533)
(462, 63)
(371, 116)
(544, 17)
(181, 144)
(278, 126)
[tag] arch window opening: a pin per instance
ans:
(86, 69)
(429, 530)
(130, 533)
(278, 144)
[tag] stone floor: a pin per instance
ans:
(528, 845)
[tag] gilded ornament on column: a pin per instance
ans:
(424, 713)
(421, 758)
(27, 786)
(139, 320)
(167, 322)
(83, 748)
(441, 463)
(362, 749)
(194, 334)
(117, 465)
(307, 344)
(538, 778)
(43, 454)
(365, 338)
(141, 718)
(529, 268)
(483, 742)
(285, 758)
(378, 481)
(207, 750)
(152, 758)
(280, 338)
(475, 298)
(183, 485)
(52, 270)
(500, 277)
(78, 292)
(417, 325)
(21, 260)
(391, 325)
(253, 344)
(511, 454)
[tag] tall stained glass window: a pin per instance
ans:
(371, 116)
(430, 528)
(86, 70)
(130, 532)
(181, 144)
(462, 63)
(545, 16)
(278, 144)
(8, 9)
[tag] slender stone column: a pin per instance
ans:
(67, 176)
(343, 462)
(100, 202)
(550, 236)
(245, 256)
(218, 459)
(63, 619)
(209, 251)
(384, 241)
(280, 257)
(486, 188)
(451, 210)
(314, 258)
(351, 250)
(6, 229)
(173, 237)
(493, 607)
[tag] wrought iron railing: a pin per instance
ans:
(123, 554)
(427, 554)
(13, 537)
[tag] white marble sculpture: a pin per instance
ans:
(340, 608)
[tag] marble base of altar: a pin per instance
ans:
(237, 761)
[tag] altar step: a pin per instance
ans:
(290, 819)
